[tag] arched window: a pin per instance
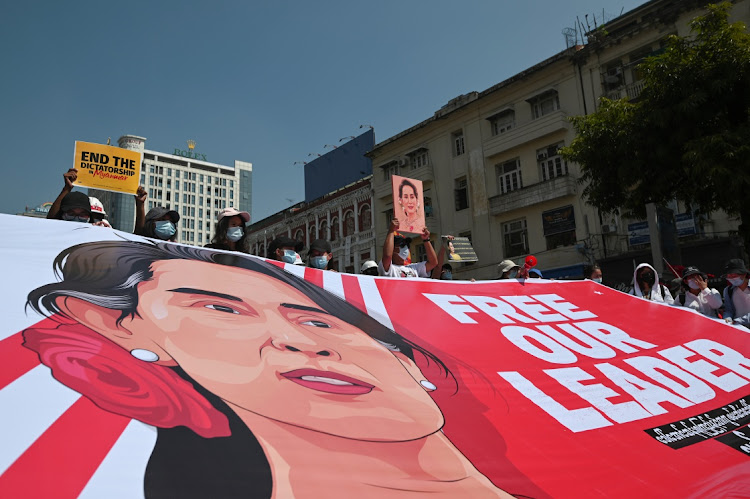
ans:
(323, 230)
(299, 235)
(334, 228)
(348, 223)
(311, 234)
(365, 217)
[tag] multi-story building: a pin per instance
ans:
(337, 207)
(186, 182)
(491, 169)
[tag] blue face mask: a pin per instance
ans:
(319, 262)
(73, 218)
(290, 256)
(597, 279)
(447, 276)
(164, 229)
(234, 234)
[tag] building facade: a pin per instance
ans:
(343, 217)
(185, 182)
(490, 163)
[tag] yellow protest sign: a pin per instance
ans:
(108, 168)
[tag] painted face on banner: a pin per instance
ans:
(265, 347)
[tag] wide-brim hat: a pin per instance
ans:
(75, 199)
(691, 271)
(507, 265)
(233, 212)
(735, 266)
(159, 211)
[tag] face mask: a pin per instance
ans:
(164, 229)
(403, 252)
(290, 256)
(73, 218)
(447, 276)
(597, 280)
(737, 281)
(373, 271)
(234, 234)
(319, 262)
(692, 284)
(647, 278)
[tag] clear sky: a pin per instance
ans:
(266, 82)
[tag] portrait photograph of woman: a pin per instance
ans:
(408, 204)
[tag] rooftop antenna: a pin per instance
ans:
(330, 145)
(367, 126)
(349, 137)
(300, 162)
(588, 26)
(314, 154)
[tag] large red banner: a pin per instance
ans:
(138, 368)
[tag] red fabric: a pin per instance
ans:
(117, 382)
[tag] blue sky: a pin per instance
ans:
(265, 82)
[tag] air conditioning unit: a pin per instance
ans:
(541, 156)
(403, 161)
(609, 228)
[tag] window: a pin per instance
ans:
(551, 163)
(427, 205)
(200, 237)
(152, 169)
(421, 253)
(388, 217)
(169, 172)
(184, 199)
(143, 178)
(544, 103)
(185, 175)
(169, 196)
(299, 235)
(348, 223)
(200, 177)
(200, 189)
(169, 183)
(311, 234)
(503, 121)
(461, 193)
(176, 184)
(509, 176)
(390, 169)
(515, 238)
(334, 229)
(323, 230)
(458, 143)
(231, 184)
(419, 159)
(365, 217)
(150, 180)
(231, 194)
(200, 210)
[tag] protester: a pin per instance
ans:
(285, 249)
(73, 205)
(447, 244)
(698, 295)
(160, 223)
(320, 254)
(508, 269)
(394, 264)
(230, 231)
(593, 273)
(140, 209)
(98, 215)
(446, 272)
(647, 286)
(535, 274)
(737, 293)
(369, 268)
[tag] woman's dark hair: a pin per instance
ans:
(401, 188)
(220, 236)
(184, 464)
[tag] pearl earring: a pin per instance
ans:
(427, 385)
(144, 355)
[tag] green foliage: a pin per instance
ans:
(688, 134)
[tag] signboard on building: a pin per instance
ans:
(108, 168)
(638, 232)
(558, 220)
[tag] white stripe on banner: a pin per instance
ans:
(122, 472)
(29, 405)
(373, 301)
(333, 284)
(297, 270)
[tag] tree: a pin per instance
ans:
(686, 137)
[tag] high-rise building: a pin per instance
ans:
(183, 181)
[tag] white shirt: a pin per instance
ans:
(741, 301)
(705, 302)
(411, 270)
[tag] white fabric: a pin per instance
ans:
(411, 270)
(656, 291)
(705, 302)
(741, 300)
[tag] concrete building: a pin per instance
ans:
(38, 211)
(490, 165)
(343, 217)
(183, 181)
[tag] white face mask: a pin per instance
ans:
(693, 285)
(403, 252)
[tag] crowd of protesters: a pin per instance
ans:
(689, 289)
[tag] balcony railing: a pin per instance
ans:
(534, 194)
(545, 125)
